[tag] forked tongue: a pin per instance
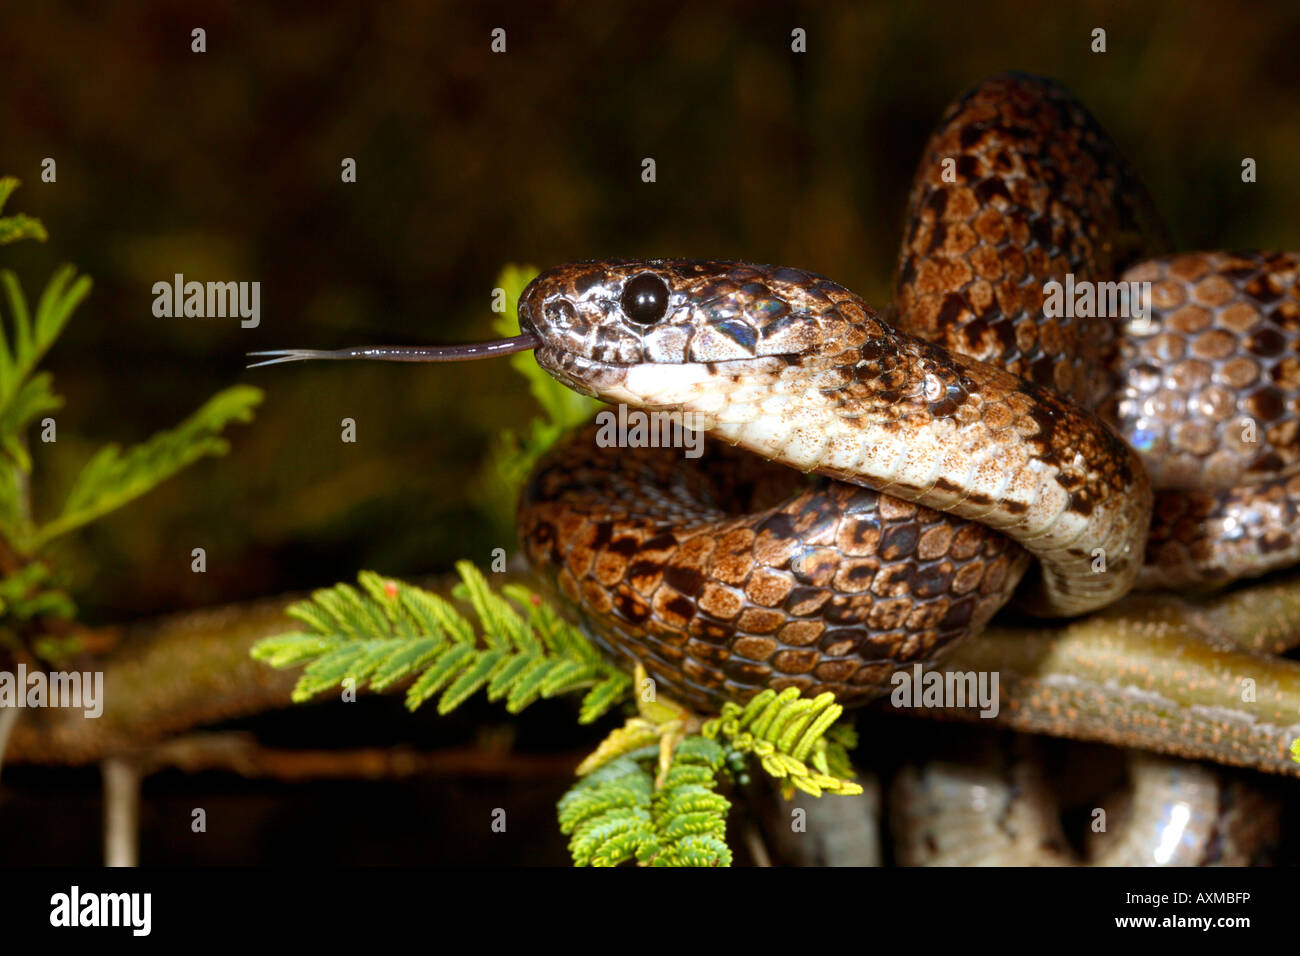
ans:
(403, 353)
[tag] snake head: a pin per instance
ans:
(651, 331)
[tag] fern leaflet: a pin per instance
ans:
(385, 632)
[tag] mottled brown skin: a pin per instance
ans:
(1040, 191)
(720, 595)
(676, 564)
(1210, 398)
(1222, 350)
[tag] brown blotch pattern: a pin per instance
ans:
(786, 596)
(1040, 191)
(1210, 393)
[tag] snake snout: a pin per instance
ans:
(526, 323)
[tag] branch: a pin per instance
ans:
(165, 676)
(162, 677)
(1157, 673)
(241, 754)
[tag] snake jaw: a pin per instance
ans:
(583, 375)
(651, 384)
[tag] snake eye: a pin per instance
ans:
(645, 299)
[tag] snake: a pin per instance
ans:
(1001, 802)
(960, 440)
(875, 486)
(965, 796)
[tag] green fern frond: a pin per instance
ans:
(385, 632)
(793, 738)
(111, 479)
(617, 814)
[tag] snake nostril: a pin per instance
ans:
(560, 314)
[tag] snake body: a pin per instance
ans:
(1003, 806)
(961, 438)
(875, 487)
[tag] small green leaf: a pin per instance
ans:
(7, 186)
(603, 696)
(528, 685)
(505, 676)
(443, 670)
(16, 227)
(567, 675)
(328, 671)
(502, 627)
(111, 479)
(470, 680)
(408, 657)
(286, 650)
(436, 616)
(35, 397)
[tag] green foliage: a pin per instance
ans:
(29, 598)
(617, 813)
(13, 228)
(24, 595)
(22, 396)
(787, 733)
(514, 454)
(110, 479)
(388, 632)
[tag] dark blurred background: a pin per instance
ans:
(226, 166)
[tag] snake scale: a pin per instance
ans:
(875, 486)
